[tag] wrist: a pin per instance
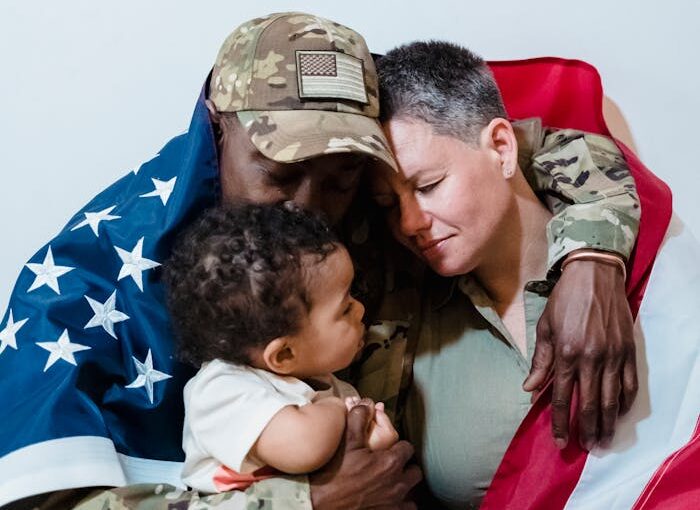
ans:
(602, 257)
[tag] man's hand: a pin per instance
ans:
(382, 434)
(360, 478)
(585, 336)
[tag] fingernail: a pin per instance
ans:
(560, 442)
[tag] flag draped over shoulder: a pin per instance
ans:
(91, 390)
(653, 460)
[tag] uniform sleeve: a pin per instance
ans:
(288, 492)
(585, 181)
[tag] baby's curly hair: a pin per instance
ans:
(238, 277)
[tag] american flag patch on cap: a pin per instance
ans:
(330, 75)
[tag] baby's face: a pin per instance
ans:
(332, 333)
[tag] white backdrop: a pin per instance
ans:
(90, 89)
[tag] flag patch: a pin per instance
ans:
(330, 75)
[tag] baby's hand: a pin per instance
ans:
(382, 434)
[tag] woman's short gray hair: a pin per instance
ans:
(442, 84)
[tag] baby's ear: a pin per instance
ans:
(279, 356)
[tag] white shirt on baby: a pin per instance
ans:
(227, 406)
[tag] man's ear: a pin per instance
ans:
(214, 115)
(279, 356)
(500, 137)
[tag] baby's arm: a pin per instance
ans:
(302, 439)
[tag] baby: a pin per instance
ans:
(260, 298)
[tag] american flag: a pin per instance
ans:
(91, 389)
(653, 460)
(330, 74)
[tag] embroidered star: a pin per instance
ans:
(7, 335)
(63, 349)
(47, 273)
(106, 314)
(147, 375)
(134, 264)
(163, 189)
(94, 218)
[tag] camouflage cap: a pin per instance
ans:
(302, 86)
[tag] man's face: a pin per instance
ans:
(327, 183)
(448, 199)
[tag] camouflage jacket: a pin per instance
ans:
(582, 178)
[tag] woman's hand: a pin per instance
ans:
(585, 336)
(358, 477)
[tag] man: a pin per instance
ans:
(293, 105)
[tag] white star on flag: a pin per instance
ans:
(47, 273)
(163, 189)
(134, 263)
(7, 335)
(106, 314)
(147, 375)
(94, 218)
(61, 349)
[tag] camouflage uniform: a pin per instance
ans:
(584, 180)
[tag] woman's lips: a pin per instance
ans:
(433, 248)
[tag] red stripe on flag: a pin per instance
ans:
(675, 485)
(567, 94)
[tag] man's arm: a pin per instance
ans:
(585, 331)
(355, 478)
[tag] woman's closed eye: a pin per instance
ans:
(427, 188)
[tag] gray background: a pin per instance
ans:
(90, 89)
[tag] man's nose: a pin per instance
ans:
(413, 218)
(308, 194)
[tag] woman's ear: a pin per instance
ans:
(279, 356)
(500, 137)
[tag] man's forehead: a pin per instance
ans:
(329, 162)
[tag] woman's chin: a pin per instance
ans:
(445, 267)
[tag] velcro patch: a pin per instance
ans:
(330, 75)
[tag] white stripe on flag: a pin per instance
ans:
(81, 461)
(665, 411)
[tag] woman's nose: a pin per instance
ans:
(413, 219)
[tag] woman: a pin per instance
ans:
(462, 203)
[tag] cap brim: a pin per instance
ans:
(295, 135)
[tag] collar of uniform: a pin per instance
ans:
(530, 136)
(443, 290)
